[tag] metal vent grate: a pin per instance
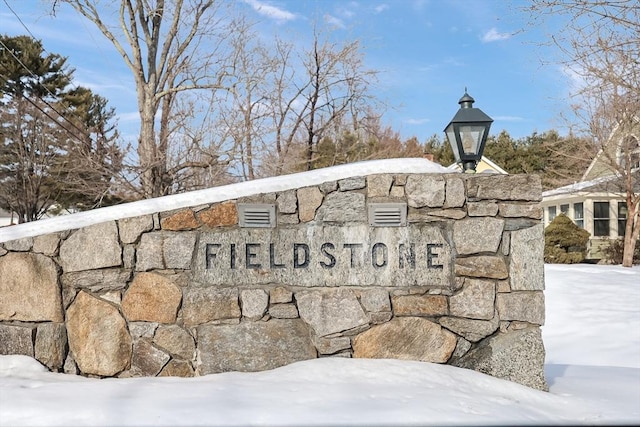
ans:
(388, 214)
(257, 215)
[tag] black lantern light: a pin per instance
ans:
(467, 133)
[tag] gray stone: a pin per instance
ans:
(19, 245)
(288, 219)
(353, 183)
(254, 303)
(425, 191)
(151, 298)
(482, 208)
(526, 269)
(70, 366)
(381, 317)
(332, 345)
(455, 193)
(129, 257)
(177, 368)
(328, 187)
(309, 200)
(202, 305)
(175, 340)
(379, 185)
(472, 330)
(3, 251)
(142, 329)
(475, 300)
(29, 288)
(178, 249)
(343, 207)
(97, 280)
(132, 228)
(397, 192)
(51, 343)
(512, 210)
(149, 255)
(330, 311)
(280, 295)
(515, 356)
(406, 338)
(427, 214)
(483, 266)
(375, 300)
(523, 306)
(98, 336)
(283, 311)
(16, 340)
(287, 202)
(420, 305)
(511, 224)
(147, 360)
(253, 346)
(79, 252)
(46, 244)
(462, 347)
(476, 235)
(112, 296)
(506, 187)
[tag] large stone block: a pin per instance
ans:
(379, 185)
(477, 235)
(406, 338)
(331, 311)
(253, 346)
(51, 345)
(93, 247)
(222, 215)
(29, 288)
(98, 336)
(46, 244)
(16, 340)
(151, 298)
(490, 267)
(111, 279)
(375, 300)
(202, 305)
(470, 329)
(425, 191)
(475, 300)
(455, 193)
(165, 250)
(526, 269)
(420, 305)
(147, 360)
(515, 356)
(506, 187)
(132, 228)
(522, 306)
(176, 341)
(309, 200)
(254, 303)
(343, 207)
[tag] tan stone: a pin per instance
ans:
(151, 298)
(131, 228)
(475, 301)
(379, 185)
(29, 289)
(309, 200)
(222, 215)
(420, 305)
(280, 294)
(492, 267)
(202, 305)
(183, 220)
(512, 210)
(177, 368)
(176, 341)
(406, 338)
(523, 306)
(98, 336)
(46, 244)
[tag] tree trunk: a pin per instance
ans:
(632, 229)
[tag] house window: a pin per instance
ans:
(601, 218)
(622, 218)
(578, 214)
(551, 213)
(564, 209)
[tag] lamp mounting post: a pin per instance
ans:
(467, 133)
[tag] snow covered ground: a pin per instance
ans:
(592, 338)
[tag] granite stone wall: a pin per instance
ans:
(190, 292)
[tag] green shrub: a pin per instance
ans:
(564, 242)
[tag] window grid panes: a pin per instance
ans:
(600, 218)
(578, 214)
(622, 218)
(564, 209)
(551, 213)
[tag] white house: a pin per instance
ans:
(7, 218)
(597, 202)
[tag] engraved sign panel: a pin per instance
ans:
(355, 255)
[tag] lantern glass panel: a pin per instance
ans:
(471, 135)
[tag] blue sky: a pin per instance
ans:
(427, 51)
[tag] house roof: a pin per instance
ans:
(604, 184)
(489, 167)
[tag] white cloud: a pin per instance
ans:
(332, 20)
(381, 8)
(270, 11)
(493, 35)
(416, 121)
(509, 118)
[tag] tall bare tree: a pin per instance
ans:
(599, 42)
(171, 47)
